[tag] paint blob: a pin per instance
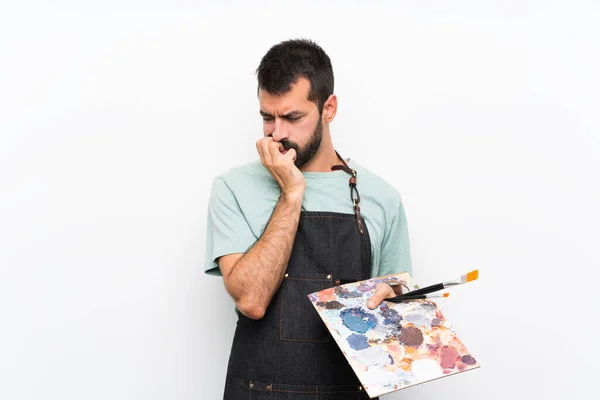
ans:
(358, 320)
(358, 342)
(411, 336)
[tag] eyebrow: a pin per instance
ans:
(291, 114)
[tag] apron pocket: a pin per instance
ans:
(279, 391)
(299, 321)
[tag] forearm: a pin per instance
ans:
(258, 274)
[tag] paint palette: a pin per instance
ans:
(396, 345)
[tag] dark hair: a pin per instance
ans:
(287, 62)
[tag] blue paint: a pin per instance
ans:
(391, 316)
(427, 307)
(358, 342)
(358, 320)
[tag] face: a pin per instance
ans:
(292, 120)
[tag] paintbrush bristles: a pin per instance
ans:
(471, 276)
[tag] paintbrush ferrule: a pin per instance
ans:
(451, 283)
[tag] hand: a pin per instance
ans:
(281, 166)
(382, 292)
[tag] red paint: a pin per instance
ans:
(449, 356)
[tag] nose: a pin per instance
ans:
(280, 132)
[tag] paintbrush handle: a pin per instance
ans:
(400, 299)
(425, 290)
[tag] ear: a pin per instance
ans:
(330, 108)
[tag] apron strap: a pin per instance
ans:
(354, 195)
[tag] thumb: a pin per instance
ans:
(382, 292)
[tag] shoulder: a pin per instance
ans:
(374, 184)
(244, 174)
(249, 184)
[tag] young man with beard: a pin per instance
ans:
(299, 220)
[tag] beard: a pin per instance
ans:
(306, 153)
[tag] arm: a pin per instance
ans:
(395, 257)
(253, 278)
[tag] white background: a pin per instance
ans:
(115, 116)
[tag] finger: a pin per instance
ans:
(259, 149)
(275, 150)
(266, 153)
(382, 292)
(291, 154)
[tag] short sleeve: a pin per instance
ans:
(395, 251)
(227, 230)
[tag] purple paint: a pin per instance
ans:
(468, 359)
(391, 316)
(333, 305)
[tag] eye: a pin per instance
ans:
(293, 119)
(268, 119)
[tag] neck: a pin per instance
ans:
(324, 158)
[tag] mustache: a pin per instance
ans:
(288, 144)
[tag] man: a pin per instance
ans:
(300, 220)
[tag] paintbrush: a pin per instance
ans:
(471, 276)
(399, 299)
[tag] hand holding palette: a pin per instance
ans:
(396, 345)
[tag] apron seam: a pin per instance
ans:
(328, 217)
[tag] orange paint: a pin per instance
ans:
(327, 295)
(406, 363)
